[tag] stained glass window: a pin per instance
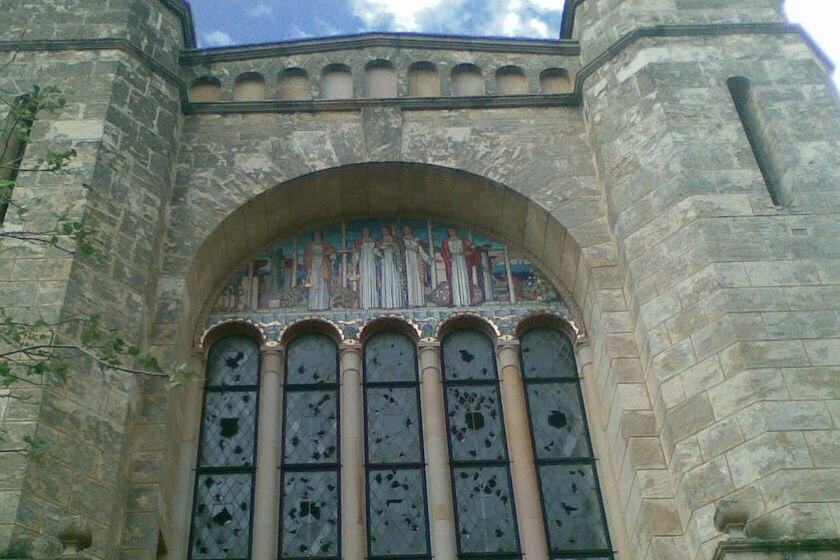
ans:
(574, 517)
(221, 527)
(309, 506)
(397, 512)
(481, 475)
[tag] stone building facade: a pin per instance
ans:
(667, 168)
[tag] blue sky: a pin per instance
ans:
(238, 22)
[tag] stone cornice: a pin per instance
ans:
(699, 30)
(183, 12)
(731, 549)
(393, 40)
(404, 103)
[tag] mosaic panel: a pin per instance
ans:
(557, 420)
(485, 510)
(397, 512)
(393, 425)
(310, 514)
(573, 513)
(310, 429)
(228, 429)
(468, 355)
(221, 526)
(390, 356)
(312, 358)
(386, 263)
(233, 361)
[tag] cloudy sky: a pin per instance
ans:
(238, 22)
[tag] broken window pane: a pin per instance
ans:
(393, 425)
(221, 527)
(310, 427)
(573, 515)
(468, 354)
(390, 356)
(233, 361)
(312, 358)
(485, 510)
(397, 512)
(228, 429)
(547, 353)
(557, 420)
(475, 422)
(310, 514)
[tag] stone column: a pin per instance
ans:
(190, 403)
(435, 439)
(267, 490)
(523, 470)
(353, 512)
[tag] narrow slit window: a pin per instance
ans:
(741, 91)
(18, 125)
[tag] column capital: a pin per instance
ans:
(507, 341)
(583, 352)
(350, 345)
(428, 343)
(272, 348)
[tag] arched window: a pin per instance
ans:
(483, 452)
(573, 513)
(484, 509)
(224, 483)
(397, 511)
(309, 509)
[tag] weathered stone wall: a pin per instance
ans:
(123, 119)
(734, 301)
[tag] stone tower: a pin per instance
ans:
(667, 169)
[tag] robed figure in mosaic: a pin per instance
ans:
(457, 253)
(317, 258)
(415, 255)
(390, 277)
(364, 257)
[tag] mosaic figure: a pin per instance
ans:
(390, 277)
(365, 257)
(317, 257)
(457, 253)
(415, 276)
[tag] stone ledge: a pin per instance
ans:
(784, 549)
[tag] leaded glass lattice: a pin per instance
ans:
(312, 358)
(485, 510)
(468, 355)
(228, 429)
(310, 427)
(393, 425)
(572, 510)
(547, 353)
(397, 512)
(557, 421)
(475, 422)
(310, 525)
(221, 526)
(233, 361)
(390, 356)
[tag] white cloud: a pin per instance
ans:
(512, 18)
(217, 38)
(819, 18)
(261, 9)
(404, 12)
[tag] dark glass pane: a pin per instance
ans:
(557, 420)
(310, 429)
(312, 358)
(221, 528)
(397, 512)
(310, 514)
(389, 356)
(485, 510)
(573, 516)
(228, 429)
(547, 353)
(475, 423)
(393, 425)
(233, 360)
(468, 355)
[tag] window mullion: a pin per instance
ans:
(267, 493)
(523, 470)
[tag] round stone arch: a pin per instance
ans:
(376, 190)
(380, 190)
